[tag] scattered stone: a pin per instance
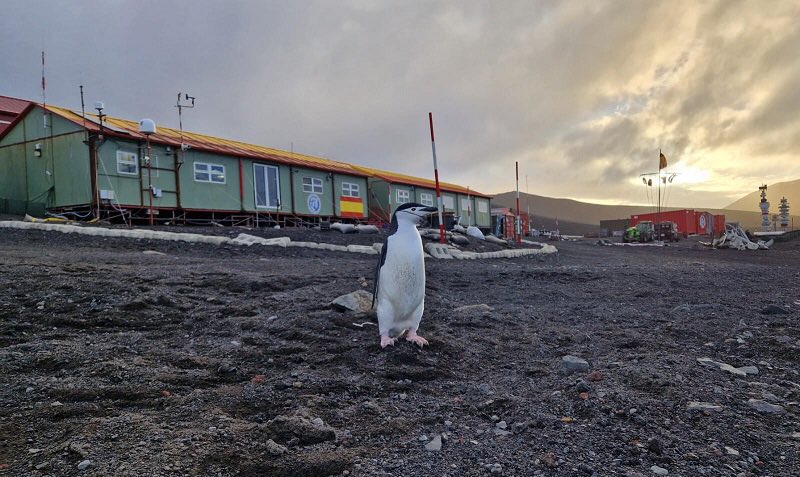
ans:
(435, 445)
(359, 301)
(783, 339)
(595, 376)
(153, 252)
(275, 449)
(42, 465)
(765, 407)
(485, 388)
(496, 469)
(774, 310)
(84, 465)
(689, 308)
(731, 451)
(770, 397)
(749, 369)
(29, 390)
(459, 240)
(659, 470)
(724, 367)
(259, 379)
(572, 364)
(654, 445)
(226, 369)
(56, 404)
(317, 421)
(582, 386)
(481, 308)
(703, 407)
(501, 425)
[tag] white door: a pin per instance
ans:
(266, 186)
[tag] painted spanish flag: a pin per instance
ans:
(351, 207)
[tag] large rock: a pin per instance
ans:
(765, 407)
(285, 428)
(743, 371)
(435, 444)
(703, 407)
(573, 364)
(774, 310)
(359, 301)
(459, 240)
(475, 232)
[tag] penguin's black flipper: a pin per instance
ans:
(378, 271)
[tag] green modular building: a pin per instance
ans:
(388, 190)
(55, 159)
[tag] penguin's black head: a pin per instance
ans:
(413, 212)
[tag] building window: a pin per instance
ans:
(266, 184)
(483, 207)
(127, 163)
(213, 173)
(403, 196)
(312, 185)
(426, 199)
(448, 202)
(350, 190)
(465, 205)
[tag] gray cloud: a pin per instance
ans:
(581, 93)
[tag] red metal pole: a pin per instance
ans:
(436, 175)
(517, 225)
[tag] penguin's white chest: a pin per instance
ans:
(402, 278)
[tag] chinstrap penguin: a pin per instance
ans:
(400, 277)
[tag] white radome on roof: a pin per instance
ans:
(147, 126)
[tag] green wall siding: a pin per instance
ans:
(12, 173)
(301, 198)
(59, 175)
(339, 179)
(483, 219)
(379, 199)
(209, 195)
(71, 170)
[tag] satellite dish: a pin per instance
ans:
(644, 180)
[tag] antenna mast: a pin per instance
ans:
(44, 95)
(180, 120)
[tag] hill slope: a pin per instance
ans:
(790, 190)
(577, 217)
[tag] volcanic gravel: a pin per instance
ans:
(230, 361)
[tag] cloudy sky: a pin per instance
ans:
(581, 93)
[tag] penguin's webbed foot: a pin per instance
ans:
(386, 341)
(415, 338)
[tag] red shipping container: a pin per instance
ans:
(719, 224)
(704, 222)
(685, 219)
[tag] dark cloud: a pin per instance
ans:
(581, 93)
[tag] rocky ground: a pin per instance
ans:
(223, 361)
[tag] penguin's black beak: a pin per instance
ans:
(429, 210)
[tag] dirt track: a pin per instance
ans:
(221, 361)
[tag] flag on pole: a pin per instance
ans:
(662, 161)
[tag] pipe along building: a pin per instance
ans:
(55, 160)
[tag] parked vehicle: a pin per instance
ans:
(667, 231)
(642, 232)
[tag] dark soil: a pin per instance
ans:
(219, 361)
